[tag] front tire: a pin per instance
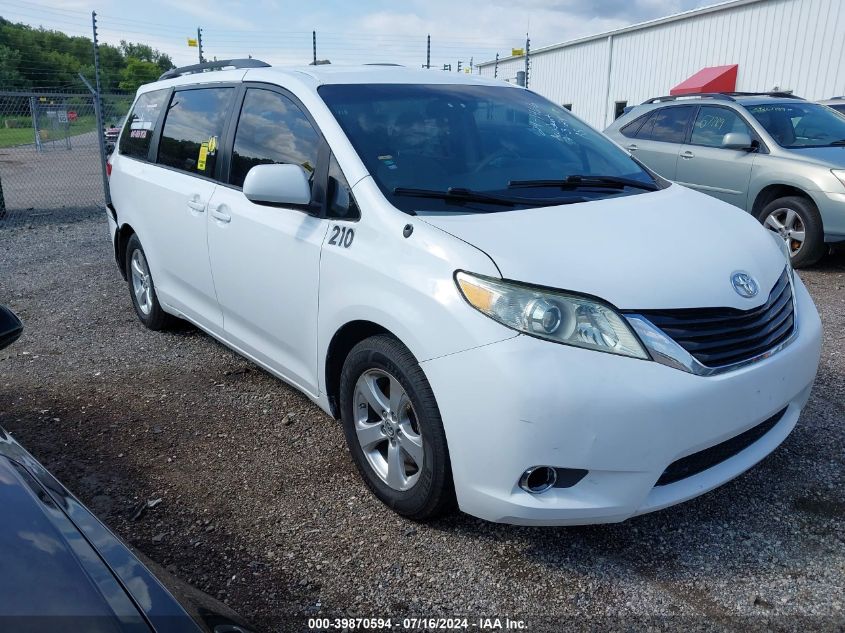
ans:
(796, 220)
(142, 288)
(393, 429)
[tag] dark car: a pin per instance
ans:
(111, 134)
(63, 570)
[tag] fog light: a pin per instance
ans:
(538, 479)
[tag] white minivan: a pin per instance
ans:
(507, 312)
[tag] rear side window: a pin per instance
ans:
(272, 129)
(192, 129)
(138, 133)
(670, 124)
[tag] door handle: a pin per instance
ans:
(632, 148)
(219, 214)
(196, 205)
(687, 155)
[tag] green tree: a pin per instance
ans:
(136, 73)
(10, 76)
(37, 58)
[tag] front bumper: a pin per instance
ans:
(832, 209)
(524, 402)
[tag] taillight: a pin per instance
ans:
(108, 167)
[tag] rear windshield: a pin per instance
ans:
(796, 125)
(480, 138)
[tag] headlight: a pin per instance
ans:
(551, 315)
(783, 245)
(839, 173)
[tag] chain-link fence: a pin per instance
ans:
(50, 154)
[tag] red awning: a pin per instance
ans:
(712, 79)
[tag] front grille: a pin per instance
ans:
(724, 336)
(709, 457)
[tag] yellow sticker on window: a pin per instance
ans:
(202, 157)
(212, 145)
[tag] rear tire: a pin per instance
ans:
(794, 217)
(391, 422)
(142, 288)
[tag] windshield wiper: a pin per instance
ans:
(576, 181)
(839, 142)
(468, 195)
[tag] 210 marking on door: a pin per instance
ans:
(342, 236)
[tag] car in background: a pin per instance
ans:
(837, 103)
(63, 570)
(111, 134)
(775, 155)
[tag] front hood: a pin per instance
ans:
(674, 248)
(833, 157)
(42, 571)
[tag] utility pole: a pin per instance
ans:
(428, 51)
(314, 45)
(527, 56)
(199, 44)
(98, 108)
(496, 67)
(470, 64)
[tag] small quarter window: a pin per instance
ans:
(140, 126)
(632, 129)
(192, 129)
(342, 204)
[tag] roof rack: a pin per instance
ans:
(692, 95)
(774, 93)
(216, 65)
(725, 96)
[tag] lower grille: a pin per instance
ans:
(709, 457)
(723, 336)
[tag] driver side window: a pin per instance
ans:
(272, 129)
(712, 123)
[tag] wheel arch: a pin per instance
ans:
(772, 192)
(344, 339)
(124, 233)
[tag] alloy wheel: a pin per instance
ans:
(788, 224)
(388, 430)
(141, 281)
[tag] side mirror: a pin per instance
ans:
(277, 184)
(736, 140)
(10, 327)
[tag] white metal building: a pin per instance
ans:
(796, 45)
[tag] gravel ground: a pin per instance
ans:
(262, 507)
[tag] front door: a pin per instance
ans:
(704, 165)
(266, 259)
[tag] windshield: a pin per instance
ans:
(796, 125)
(480, 141)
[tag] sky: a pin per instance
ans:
(348, 32)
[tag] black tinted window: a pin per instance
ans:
(670, 125)
(341, 203)
(192, 129)
(272, 129)
(634, 126)
(137, 136)
(713, 123)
